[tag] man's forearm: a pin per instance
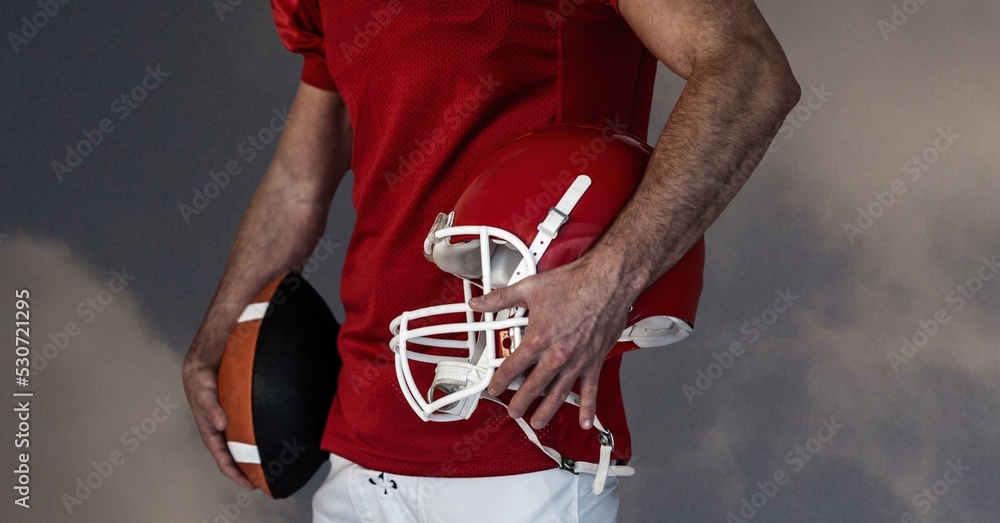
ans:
(275, 234)
(725, 117)
(288, 212)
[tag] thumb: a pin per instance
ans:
(214, 412)
(219, 419)
(500, 299)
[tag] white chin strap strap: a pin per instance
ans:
(548, 230)
(601, 470)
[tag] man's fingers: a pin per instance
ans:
(533, 387)
(216, 414)
(513, 366)
(211, 420)
(202, 389)
(215, 442)
(554, 399)
(502, 298)
(588, 396)
(227, 465)
(542, 379)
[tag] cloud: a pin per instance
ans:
(921, 259)
(111, 434)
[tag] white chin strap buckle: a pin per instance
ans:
(453, 376)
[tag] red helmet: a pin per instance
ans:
(536, 203)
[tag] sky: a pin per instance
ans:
(845, 355)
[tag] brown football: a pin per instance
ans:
(277, 379)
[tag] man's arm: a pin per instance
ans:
(739, 89)
(284, 221)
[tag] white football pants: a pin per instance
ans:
(352, 493)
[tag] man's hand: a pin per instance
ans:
(201, 384)
(739, 89)
(577, 314)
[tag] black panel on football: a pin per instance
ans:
(294, 381)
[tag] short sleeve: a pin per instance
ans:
(300, 28)
(612, 3)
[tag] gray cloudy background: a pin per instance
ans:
(888, 95)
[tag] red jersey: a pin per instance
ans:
(432, 88)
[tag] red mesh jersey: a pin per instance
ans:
(432, 87)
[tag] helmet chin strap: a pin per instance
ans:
(601, 470)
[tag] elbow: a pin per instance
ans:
(757, 72)
(776, 82)
(772, 89)
(786, 91)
